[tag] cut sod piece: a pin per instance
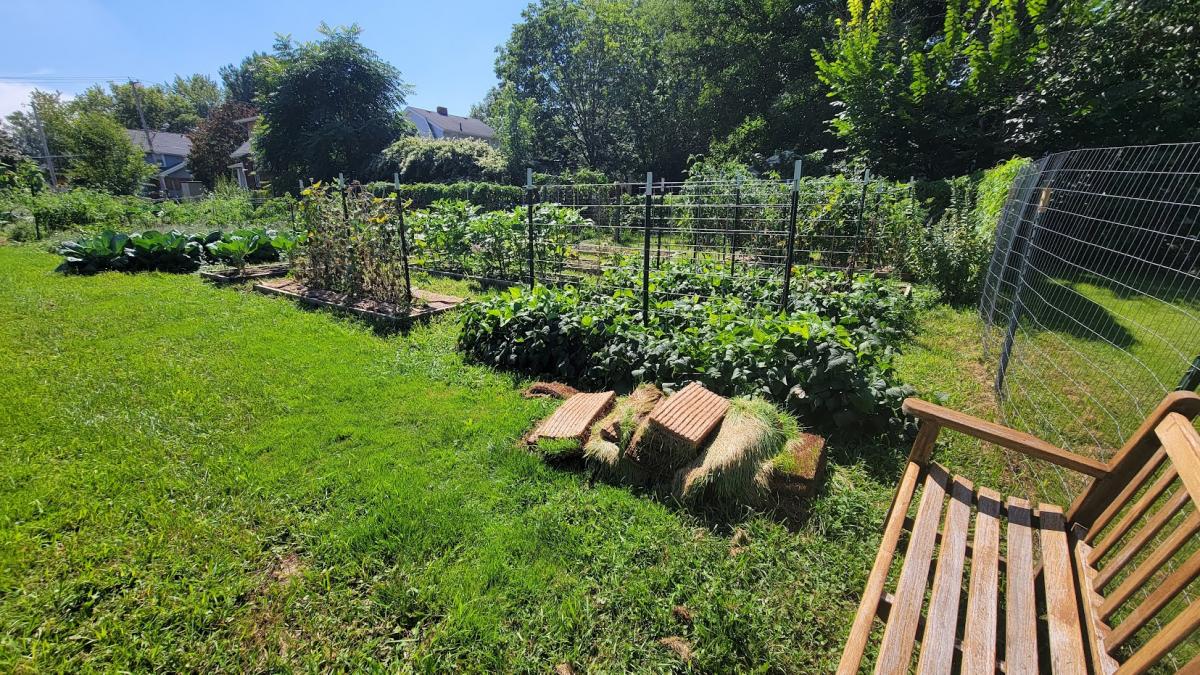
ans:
(730, 468)
(574, 417)
(614, 432)
(673, 432)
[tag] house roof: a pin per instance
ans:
(165, 142)
(455, 124)
(241, 151)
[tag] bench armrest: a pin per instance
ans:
(1003, 436)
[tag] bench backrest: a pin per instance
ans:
(1138, 529)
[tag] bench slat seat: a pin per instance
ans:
(994, 584)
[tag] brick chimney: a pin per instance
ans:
(441, 110)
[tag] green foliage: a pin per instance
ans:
(512, 116)
(333, 107)
(104, 251)
(165, 107)
(454, 236)
(246, 80)
(442, 160)
(174, 251)
(488, 196)
(105, 158)
(215, 138)
(824, 360)
(952, 252)
(352, 245)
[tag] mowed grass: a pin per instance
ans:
(202, 478)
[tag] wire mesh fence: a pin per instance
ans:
(1091, 306)
(725, 233)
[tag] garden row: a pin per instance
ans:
(828, 358)
(174, 251)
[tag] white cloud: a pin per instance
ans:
(14, 96)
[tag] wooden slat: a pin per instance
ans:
(1004, 437)
(1182, 443)
(1134, 515)
(1062, 611)
(1142, 574)
(1095, 629)
(1132, 456)
(895, 652)
(941, 623)
(979, 636)
(1162, 594)
(1153, 526)
(1121, 500)
(1021, 655)
(1164, 641)
(860, 631)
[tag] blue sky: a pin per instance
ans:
(445, 50)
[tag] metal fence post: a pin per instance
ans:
(662, 201)
(737, 224)
(345, 209)
(1027, 245)
(403, 238)
(791, 240)
(529, 196)
(646, 224)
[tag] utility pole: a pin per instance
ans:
(137, 100)
(45, 146)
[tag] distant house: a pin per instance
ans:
(168, 152)
(243, 168)
(441, 124)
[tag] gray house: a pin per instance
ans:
(168, 152)
(441, 124)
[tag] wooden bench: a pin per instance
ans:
(1100, 587)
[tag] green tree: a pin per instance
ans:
(56, 117)
(201, 92)
(104, 156)
(334, 106)
(513, 119)
(244, 81)
(164, 108)
(215, 138)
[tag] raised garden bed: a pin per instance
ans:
(229, 275)
(426, 304)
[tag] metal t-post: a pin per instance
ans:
(403, 238)
(529, 196)
(737, 224)
(791, 240)
(646, 224)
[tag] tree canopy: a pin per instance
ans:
(215, 138)
(334, 105)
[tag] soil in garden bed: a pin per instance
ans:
(425, 303)
(229, 275)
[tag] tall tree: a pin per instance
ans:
(201, 92)
(56, 120)
(334, 106)
(104, 156)
(165, 109)
(215, 138)
(243, 81)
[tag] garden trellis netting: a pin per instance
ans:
(613, 235)
(1091, 302)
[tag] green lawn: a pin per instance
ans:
(202, 478)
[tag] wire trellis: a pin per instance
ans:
(1091, 305)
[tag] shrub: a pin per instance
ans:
(488, 196)
(443, 160)
(150, 250)
(828, 364)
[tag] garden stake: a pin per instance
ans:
(737, 224)
(791, 240)
(345, 210)
(646, 250)
(529, 199)
(662, 200)
(403, 239)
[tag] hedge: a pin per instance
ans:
(488, 196)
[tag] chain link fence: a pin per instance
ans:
(1090, 304)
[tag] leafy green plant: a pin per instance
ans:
(828, 359)
(167, 252)
(236, 249)
(88, 255)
